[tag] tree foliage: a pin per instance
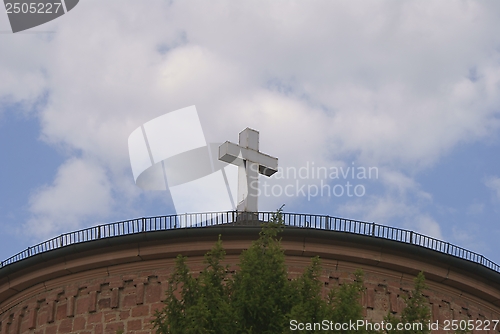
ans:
(261, 294)
(345, 303)
(417, 310)
(259, 298)
(198, 305)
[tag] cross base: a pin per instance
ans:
(251, 217)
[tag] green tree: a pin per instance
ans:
(197, 305)
(417, 310)
(308, 304)
(258, 298)
(261, 293)
(345, 302)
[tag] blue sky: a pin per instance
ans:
(411, 88)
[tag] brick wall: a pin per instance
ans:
(125, 295)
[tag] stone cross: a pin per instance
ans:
(250, 164)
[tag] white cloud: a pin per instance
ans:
(469, 236)
(403, 205)
(23, 80)
(475, 209)
(393, 84)
(393, 211)
(402, 184)
(80, 190)
(493, 182)
(428, 226)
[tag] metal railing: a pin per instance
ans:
(196, 220)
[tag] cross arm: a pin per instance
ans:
(236, 155)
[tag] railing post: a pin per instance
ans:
(411, 237)
(373, 229)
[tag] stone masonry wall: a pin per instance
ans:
(118, 283)
(125, 297)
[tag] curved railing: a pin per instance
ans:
(193, 220)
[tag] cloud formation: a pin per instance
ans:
(493, 182)
(388, 84)
(80, 190)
